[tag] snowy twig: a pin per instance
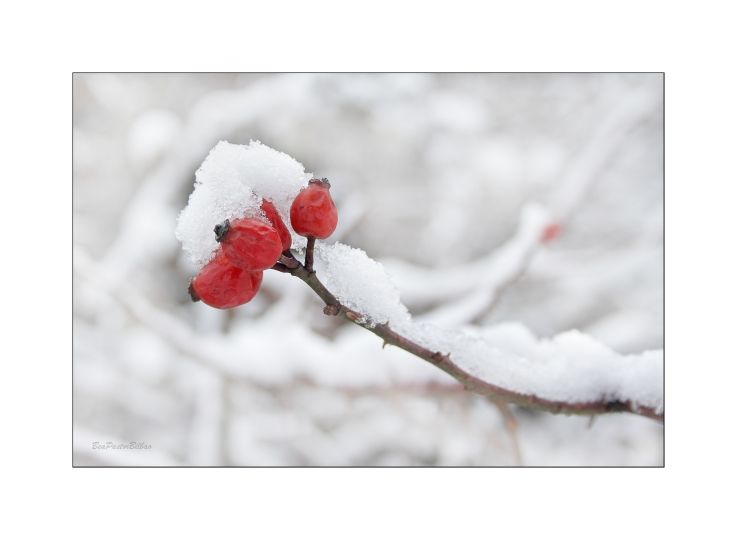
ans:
(335, 307)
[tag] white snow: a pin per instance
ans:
(362, 284)
(151, 134)
(230, 184)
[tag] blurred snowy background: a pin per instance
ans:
(431, 175)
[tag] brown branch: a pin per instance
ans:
(310, 254)
(279, 267)
(471, 383)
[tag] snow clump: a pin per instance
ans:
(361, 284)
(230, 184)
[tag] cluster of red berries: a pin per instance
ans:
(249, 246)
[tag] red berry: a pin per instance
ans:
(221, 285)
(249, 244)
(278, 224)
(551, 232)
(313, 211)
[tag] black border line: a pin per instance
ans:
(370, 466)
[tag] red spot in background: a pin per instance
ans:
(551, 232)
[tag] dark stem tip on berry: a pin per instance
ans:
(192, 293)
(221, 230)
(321, 181)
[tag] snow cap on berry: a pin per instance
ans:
(230, 184)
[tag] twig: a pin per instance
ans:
(471, 383)
(310, 254)
(510, 423)
(279, 267)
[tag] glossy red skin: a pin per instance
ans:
(313, 211)
(278, 224)
(251, 244)
(222, 285)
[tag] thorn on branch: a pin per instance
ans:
(385, 344)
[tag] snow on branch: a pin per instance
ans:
(570, 373)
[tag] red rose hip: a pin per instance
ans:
(313, 213)
(249, 244)
(222, 285)
(278, 224)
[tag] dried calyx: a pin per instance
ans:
(221, 229)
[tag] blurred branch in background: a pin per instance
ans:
(478, 284)
(437, 170)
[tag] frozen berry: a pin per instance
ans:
(249, 244)
(278, 224)
(221, 285)
(313, 213)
